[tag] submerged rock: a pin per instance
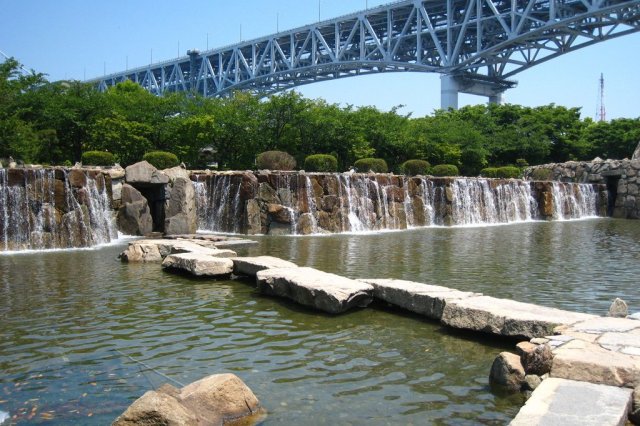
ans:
(213, 400)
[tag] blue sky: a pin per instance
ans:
(71, 39)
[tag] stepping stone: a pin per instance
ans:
(320, 290)
(252, 265)
(424, 299)
(507, 317)
(568, 403)
(605, 324)
(589, 362)
(200, 265)
(154, 250)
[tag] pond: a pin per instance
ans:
(82, 335)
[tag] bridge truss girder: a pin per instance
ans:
(478, 45)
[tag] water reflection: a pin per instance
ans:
(580, 265)
(67, 318)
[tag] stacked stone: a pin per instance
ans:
(152, 200)
(626, 172)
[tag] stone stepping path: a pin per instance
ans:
(473, 311)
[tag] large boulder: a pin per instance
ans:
(134, 215)
(507, 372)
(143, 173)
(636, 153)
(214, 400)
(323, 291)
(200, 265)
(180, 212)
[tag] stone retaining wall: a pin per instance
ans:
(622, 178)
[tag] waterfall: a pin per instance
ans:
(218, 203)
(286, 203)
(483, 201)
(41, 209)
(574, 201)
(311, 204)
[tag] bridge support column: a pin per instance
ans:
(452, 85)
(449, 90)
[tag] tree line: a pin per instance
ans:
(55, 122)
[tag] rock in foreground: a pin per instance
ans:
(213, 400)
(326, 292)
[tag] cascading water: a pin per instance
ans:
(287, 203)
(218, 203)
(475, 202)
(42, 210)
(574, 201)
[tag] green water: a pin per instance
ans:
(72, 321)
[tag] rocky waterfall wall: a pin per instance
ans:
(310, 203)
(621, 177)
(54, 208)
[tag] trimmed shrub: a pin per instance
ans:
(376, 165)
(506, 172)
(98, 158)
(415, 167)
(489, 172)
(161, 159)
(509, 172)
(321, 163)
(542, 174)
(522, 163)
(445, 170)
(275, 160)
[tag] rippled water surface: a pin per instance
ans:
(72, 323)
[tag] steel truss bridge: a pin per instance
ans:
(476, 45)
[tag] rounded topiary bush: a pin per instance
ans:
(489, 172)
(415, 167)
(98, 158)
(541, 174)
(321, 163)
(376, 165)
(445, 170)
(161, 159)
(275, 160)
(508, 172)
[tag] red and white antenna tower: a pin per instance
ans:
(601, 112)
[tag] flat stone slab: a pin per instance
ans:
(590, 362)
(567, 402)
(198, 264)
(213, 240)
(424, 299)
(250, 266)
(155, 250)
(320, 290)
(507, 317)
(600, 325)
